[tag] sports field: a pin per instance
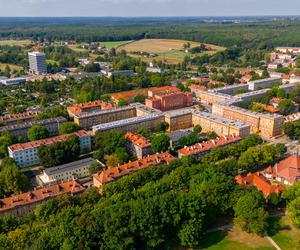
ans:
(167, 50)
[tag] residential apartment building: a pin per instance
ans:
(179, 119)
(66, 172)
(170, 100)
(88, 120)
(137, 145)
(204, 147)
(18, 118)
(21, 204)
(20, 130)
(88, 107)
(37, 63)
(112, 174)
(26, 154)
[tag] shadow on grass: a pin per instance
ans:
(275, 225)
(212, 238)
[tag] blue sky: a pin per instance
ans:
(148, 7)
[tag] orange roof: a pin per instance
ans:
(289, 169)
(269, 108)
(208, 145)
(199, 87)
(112, 174)
(15, 117)
(262, 185)
(38, 195)
(163, 88)
(38, 143)
(81, 107)
(127, 95)
(137, 139)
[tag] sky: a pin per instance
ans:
(148, 7)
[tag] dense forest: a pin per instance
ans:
(260, 34)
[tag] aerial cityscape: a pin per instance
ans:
(129, 126)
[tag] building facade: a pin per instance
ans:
(137, 145)
(66, 172)
(26, 154)
(37, 63)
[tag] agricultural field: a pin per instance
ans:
(169, 51)
(15, 42)
(116, 44)
(11, 66)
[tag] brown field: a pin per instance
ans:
(15, 42)
(169, 51)
(12, 66)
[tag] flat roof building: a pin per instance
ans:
(37, 63)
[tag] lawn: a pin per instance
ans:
(284, 233)
(15, 42)
(234, 239)
(167, 50)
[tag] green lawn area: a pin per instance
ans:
(12, 66)
(115, 44)
(284, 233)
(235, 239)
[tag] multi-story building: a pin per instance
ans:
(20, 130)
(220, 125)
(179, 119)
(66, 172)
(170, 100)
(210, 97)
(149, 122)
(13, 81)
(88, 107)
(88, 120)
(37, 63)
(26, 154)
(268, 125)
(263, 83)
(21, 204)
(137, 145)
(204, 147)
(112, 174)
(18, 118)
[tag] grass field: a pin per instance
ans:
(234, 239)
(116, 44)
(12, 66)
(15, 42)
(169, 51)
(285, 234)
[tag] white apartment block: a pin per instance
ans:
(37, 63)
(26, 154)
(65, 172)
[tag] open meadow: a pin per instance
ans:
(167, 50)
(15, 42)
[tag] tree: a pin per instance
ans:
(295, 93)
(111, 160)
(122, 102)
(286, 107)
(292, 129)
(37, 132)
(197, 129)
(293, 209)
(11, 178)
(5, 141)
(140, 98)
(160, 143)
(250, 214)
(109, 141)
(68, 128)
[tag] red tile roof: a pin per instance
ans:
(137, 139)
(15, 117)
(259, 181)
(111, 174)
(199, 87)
(208, 145)
(81, 107)
(38, 195)
(38, 143)
(289, 169)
